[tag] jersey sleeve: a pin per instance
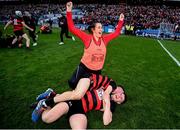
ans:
(82, 35)
(108, 37)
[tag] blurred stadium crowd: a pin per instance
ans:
(140, 16)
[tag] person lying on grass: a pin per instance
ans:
(87, 82)
(103, 99)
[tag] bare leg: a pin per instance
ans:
(78, 121)
(20, 41)
(51, 115)
(25, 36)
(76, 94)
(14, 40)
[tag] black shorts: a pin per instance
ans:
(75, 107)
(81, 72)
(18, 33)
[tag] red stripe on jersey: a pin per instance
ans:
(105, 87)
(100, 80)
(98, 101)
(105, 80)
(17, 23)
(84, 104)
(94, 81)
(18, 29)
(90, 100)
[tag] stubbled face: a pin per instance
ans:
(97, 31)
(119, 96)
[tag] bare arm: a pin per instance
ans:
(107, 115)
(27, 26)
(10, 22)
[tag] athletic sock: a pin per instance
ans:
(52, 95)
(50, 102)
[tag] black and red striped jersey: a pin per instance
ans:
(99, 81)
(17, 23)
(93, 99)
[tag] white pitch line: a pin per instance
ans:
(177, 62)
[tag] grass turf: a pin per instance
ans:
(151, 79)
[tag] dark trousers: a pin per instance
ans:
(64, 31)
(32, 35)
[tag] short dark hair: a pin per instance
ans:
(124, 94)
(90, 27)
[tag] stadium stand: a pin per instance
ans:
(140, 15)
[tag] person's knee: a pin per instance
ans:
(78, 121)
(77, 95)
(27, 39)
(46, 119)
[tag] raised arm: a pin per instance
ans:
(82, 35)
(116, 33)
(27, 26)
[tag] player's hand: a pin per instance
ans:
(121, 17)
(69, 6)
(107, 117)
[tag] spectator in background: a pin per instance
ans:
(144, 16)
(176, 30)
(50, 23)
(62, 21)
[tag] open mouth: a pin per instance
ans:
(100, 33)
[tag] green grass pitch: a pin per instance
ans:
(151, 79)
